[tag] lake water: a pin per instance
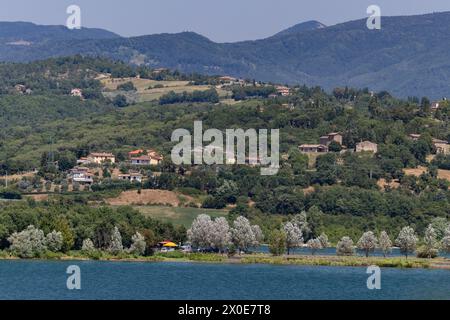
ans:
(332, 252)
(135, 280)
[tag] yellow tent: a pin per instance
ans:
(170, 244)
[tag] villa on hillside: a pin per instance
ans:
(132, 177)
(81, 175)
(101, 157)
(366, 146)
(142, 158)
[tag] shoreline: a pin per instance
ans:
(267, 259)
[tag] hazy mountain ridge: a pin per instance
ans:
(409, 56)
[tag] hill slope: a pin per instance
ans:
(409, 56)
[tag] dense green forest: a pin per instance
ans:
(345, 198)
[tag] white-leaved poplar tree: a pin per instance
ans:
(345, 247)
(323, 238)
(242, 234)
(431, 244)
(367, 243)
(220, 236)
(294, 236)
(199, 235)
(385, 243)
(407, 241)
(115, 245)
(88, 245)
(446, 240)
(138, 244)
(54, 241)
(28, 243)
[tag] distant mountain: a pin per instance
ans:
(20, 33)
(301, 27)
(409, 56)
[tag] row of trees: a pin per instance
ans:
(172, 97)
(206, 234)
(32, 243)
(407, 241)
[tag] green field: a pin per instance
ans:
(179, 216)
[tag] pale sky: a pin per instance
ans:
(219, 20)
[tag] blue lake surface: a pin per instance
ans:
(332, 252)
(162, 280)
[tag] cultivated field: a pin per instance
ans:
(149, 90)
(149, 197)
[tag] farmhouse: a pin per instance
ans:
(313, 148)
(441, 146)
(101, 157)
(333, 136)
(366, 146)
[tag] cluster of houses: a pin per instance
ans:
(441, 146)
(326, 140)
(83, 174)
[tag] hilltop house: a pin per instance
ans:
(333, 136)
(101, 157)
(366, 146)
(313, 148)
(81, 175)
